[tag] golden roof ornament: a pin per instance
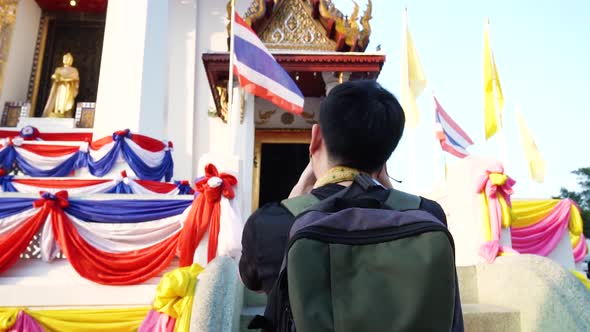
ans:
(347, 33)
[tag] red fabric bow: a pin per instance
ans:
(59, 199)
(2, 172)
(205, 215)
(124, 173)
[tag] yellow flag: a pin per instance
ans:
(532, 153)
(492, 90)
(413, 80)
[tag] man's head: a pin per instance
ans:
(361, 124)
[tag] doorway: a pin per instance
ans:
(80, 34)
(280, 157)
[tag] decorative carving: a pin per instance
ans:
(7, 19)
(293, 27)
(223, 101)
(348, 27)
(255, 11)
(33, 251)
(287, 118)
(85, 115)
(14, 111)
(365, 22)
(265, 116)
(309, 118)
(242, 105)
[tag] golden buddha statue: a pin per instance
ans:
(64, 90)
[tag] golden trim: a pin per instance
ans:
(39, 67)
(272, 137)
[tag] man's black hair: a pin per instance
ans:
(361, 123)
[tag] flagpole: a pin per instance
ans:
(230, 81)
(436, 153)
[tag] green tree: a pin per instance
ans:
(581, 197)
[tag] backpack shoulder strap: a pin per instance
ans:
(297, 205)
(399, 200)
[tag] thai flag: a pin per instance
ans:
(259, 73)
(452, 138)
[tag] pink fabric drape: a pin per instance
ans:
(542, 238)
(25, 323)
(495, 185)
(157, 322)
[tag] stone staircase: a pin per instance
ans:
(479, 317)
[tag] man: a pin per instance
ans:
(360, 126)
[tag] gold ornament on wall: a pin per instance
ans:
(7, 19)
(265, 116)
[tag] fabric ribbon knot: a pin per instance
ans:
(213, 185)
(120, 134)
(29, 133)
(58, 199)
(496, 189)
(184, 187)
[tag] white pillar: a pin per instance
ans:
(17, 68)
(132, 89)
(463, 207)
(181, 84)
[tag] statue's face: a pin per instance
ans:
(68, 59)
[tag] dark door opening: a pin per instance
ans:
(82, 36)
(281, 166)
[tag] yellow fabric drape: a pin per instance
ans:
(175, 295)
(576, 224)
(487, 228)
(80, 320)
(582, 278)
(527, 213)
(7, 318)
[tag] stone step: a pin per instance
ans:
(490, 318)
(468, 283)
(477, 318)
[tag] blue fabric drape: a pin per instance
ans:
(125, 211)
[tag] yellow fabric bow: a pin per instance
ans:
(175, 295)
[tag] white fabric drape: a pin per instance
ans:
(10, 223)
(42, 162)
(152, 159)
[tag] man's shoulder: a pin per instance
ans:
(269, 213)
(433, 208)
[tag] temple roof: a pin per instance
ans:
(309, 25)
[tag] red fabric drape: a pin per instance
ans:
(204, 215)
(59, 184)
(51, 150)
(111, 268)
(93, 264)
(14, 243)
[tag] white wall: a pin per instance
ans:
(22, 49)
(132, 87)
(181, 84)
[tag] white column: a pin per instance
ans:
(181, 84)
(17, 69)
(132, 89)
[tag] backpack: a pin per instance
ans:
(354, 263)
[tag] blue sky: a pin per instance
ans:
(542, 51)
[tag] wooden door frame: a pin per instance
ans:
(272, 136)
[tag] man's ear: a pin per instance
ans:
(316, 139)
